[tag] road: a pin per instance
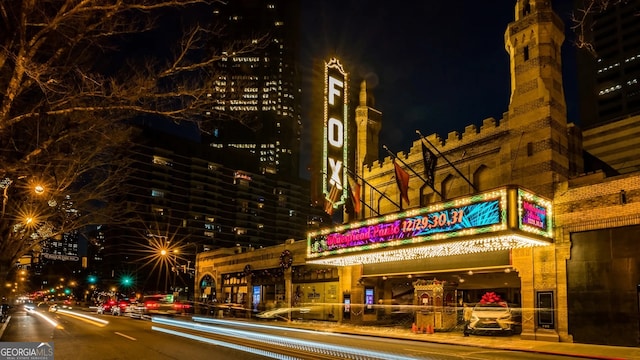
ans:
(119, 337)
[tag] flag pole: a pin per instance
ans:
(413, 171)
(371, 186)
(422, 137)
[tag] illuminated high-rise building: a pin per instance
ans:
(258, 92)
(609, 77)
(609, 86)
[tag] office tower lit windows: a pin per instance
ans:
(258, 92)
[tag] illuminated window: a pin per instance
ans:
(159, 160)
(158, 211)
(610, 89)
(157, 193)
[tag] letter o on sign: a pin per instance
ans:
(336, 134)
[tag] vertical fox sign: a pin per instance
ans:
(335, 134)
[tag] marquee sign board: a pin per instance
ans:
(534, 214)
(501, 219)
(334, 174)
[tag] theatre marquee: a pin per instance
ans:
(501, 219)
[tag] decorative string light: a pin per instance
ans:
(471, 246)
(385, 238)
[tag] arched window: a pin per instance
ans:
(482, 178)
(445, 186)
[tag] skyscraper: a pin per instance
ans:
(609, 78)
(258, 92)
(190, 195)
(609, 86)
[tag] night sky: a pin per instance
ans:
(433, 66)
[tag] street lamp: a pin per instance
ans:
(175, 268)
(39, 189)
(164, 253)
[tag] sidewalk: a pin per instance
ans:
(585, 351)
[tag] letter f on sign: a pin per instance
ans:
(333, 92)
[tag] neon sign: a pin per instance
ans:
(335, 144)
(534, 214)
(500, 219)
(467, 216)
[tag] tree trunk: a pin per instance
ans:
(5, 274)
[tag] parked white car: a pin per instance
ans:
(491, 317)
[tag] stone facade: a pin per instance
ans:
(532, 146)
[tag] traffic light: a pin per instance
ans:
(92, 279)
(126, 281)
(67, 291)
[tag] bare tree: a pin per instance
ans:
(583, 21)
(69, 88)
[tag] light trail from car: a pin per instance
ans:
(273, 340)
(86, 318)
(253, 325)
(224, 344)
(46, 318)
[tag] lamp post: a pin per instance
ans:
(175, 269)
(164, 253)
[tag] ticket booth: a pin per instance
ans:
(436, 305)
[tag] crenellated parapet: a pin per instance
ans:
(454, 140)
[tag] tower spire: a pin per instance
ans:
(363, 93)
(537, 108)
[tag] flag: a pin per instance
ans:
(334, 194)
(355, 194)
(402, 180)
(429, 160)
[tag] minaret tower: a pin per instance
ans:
(369, 123)
(537, 111)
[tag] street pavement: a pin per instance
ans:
(577, 350)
